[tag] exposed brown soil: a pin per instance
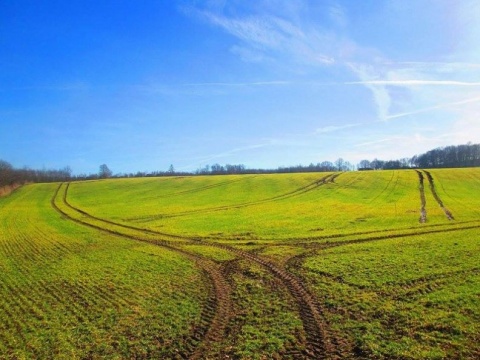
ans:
(447, 212)
(215, 316)
(319, 344)
(233, 271)
(423, 201)
(8, 189)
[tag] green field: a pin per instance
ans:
(287, 266)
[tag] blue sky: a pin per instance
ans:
(140, 85)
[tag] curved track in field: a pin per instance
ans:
(319, 343)
(466, 205)
(302, 190)
(439, 201)
(390, 181)
(165, 235)
(217, 310)
(205, 187)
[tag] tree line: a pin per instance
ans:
(450, 156)
(10, 176)
(443, 157)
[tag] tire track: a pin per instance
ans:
(447, 212)
(206, 187)
(88, 215)
(319, 343)
(217, 310)
(302, 190)
(325, 245)
(423, 201)
(394, 172)
(464, 205)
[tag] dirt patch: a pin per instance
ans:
(423, 201)
(8, 189)
(319, 344)
(447, 212)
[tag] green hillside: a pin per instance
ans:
(376, 264)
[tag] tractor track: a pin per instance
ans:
(206, 187)
(423, 201)
(319, 343)
(396, 175)
(302, 190)
(217, 310)
(83, 212)
(447, 212)
(325, 245)
(313, 239)
(465, 205)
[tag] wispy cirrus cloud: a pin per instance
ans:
(436, 107)
(399, 88)
(228, 153)
(333, 128)
(265, 35)
(408, 83)
(253, 83)
(413, 81)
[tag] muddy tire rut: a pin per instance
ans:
(423, 201)
(319, 343)
(439, 201)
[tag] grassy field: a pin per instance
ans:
(68, 291)
(291, 266)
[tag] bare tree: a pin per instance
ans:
(104, 172)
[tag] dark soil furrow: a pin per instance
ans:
(217, 310)
(423, 201)
(447, 212)
(319, 343)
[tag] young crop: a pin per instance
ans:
(379, 264)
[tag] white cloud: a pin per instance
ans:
(408, 83)
(437, 107)
(274, 36)
(380, 94)
(332, 128)
(253, 83)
